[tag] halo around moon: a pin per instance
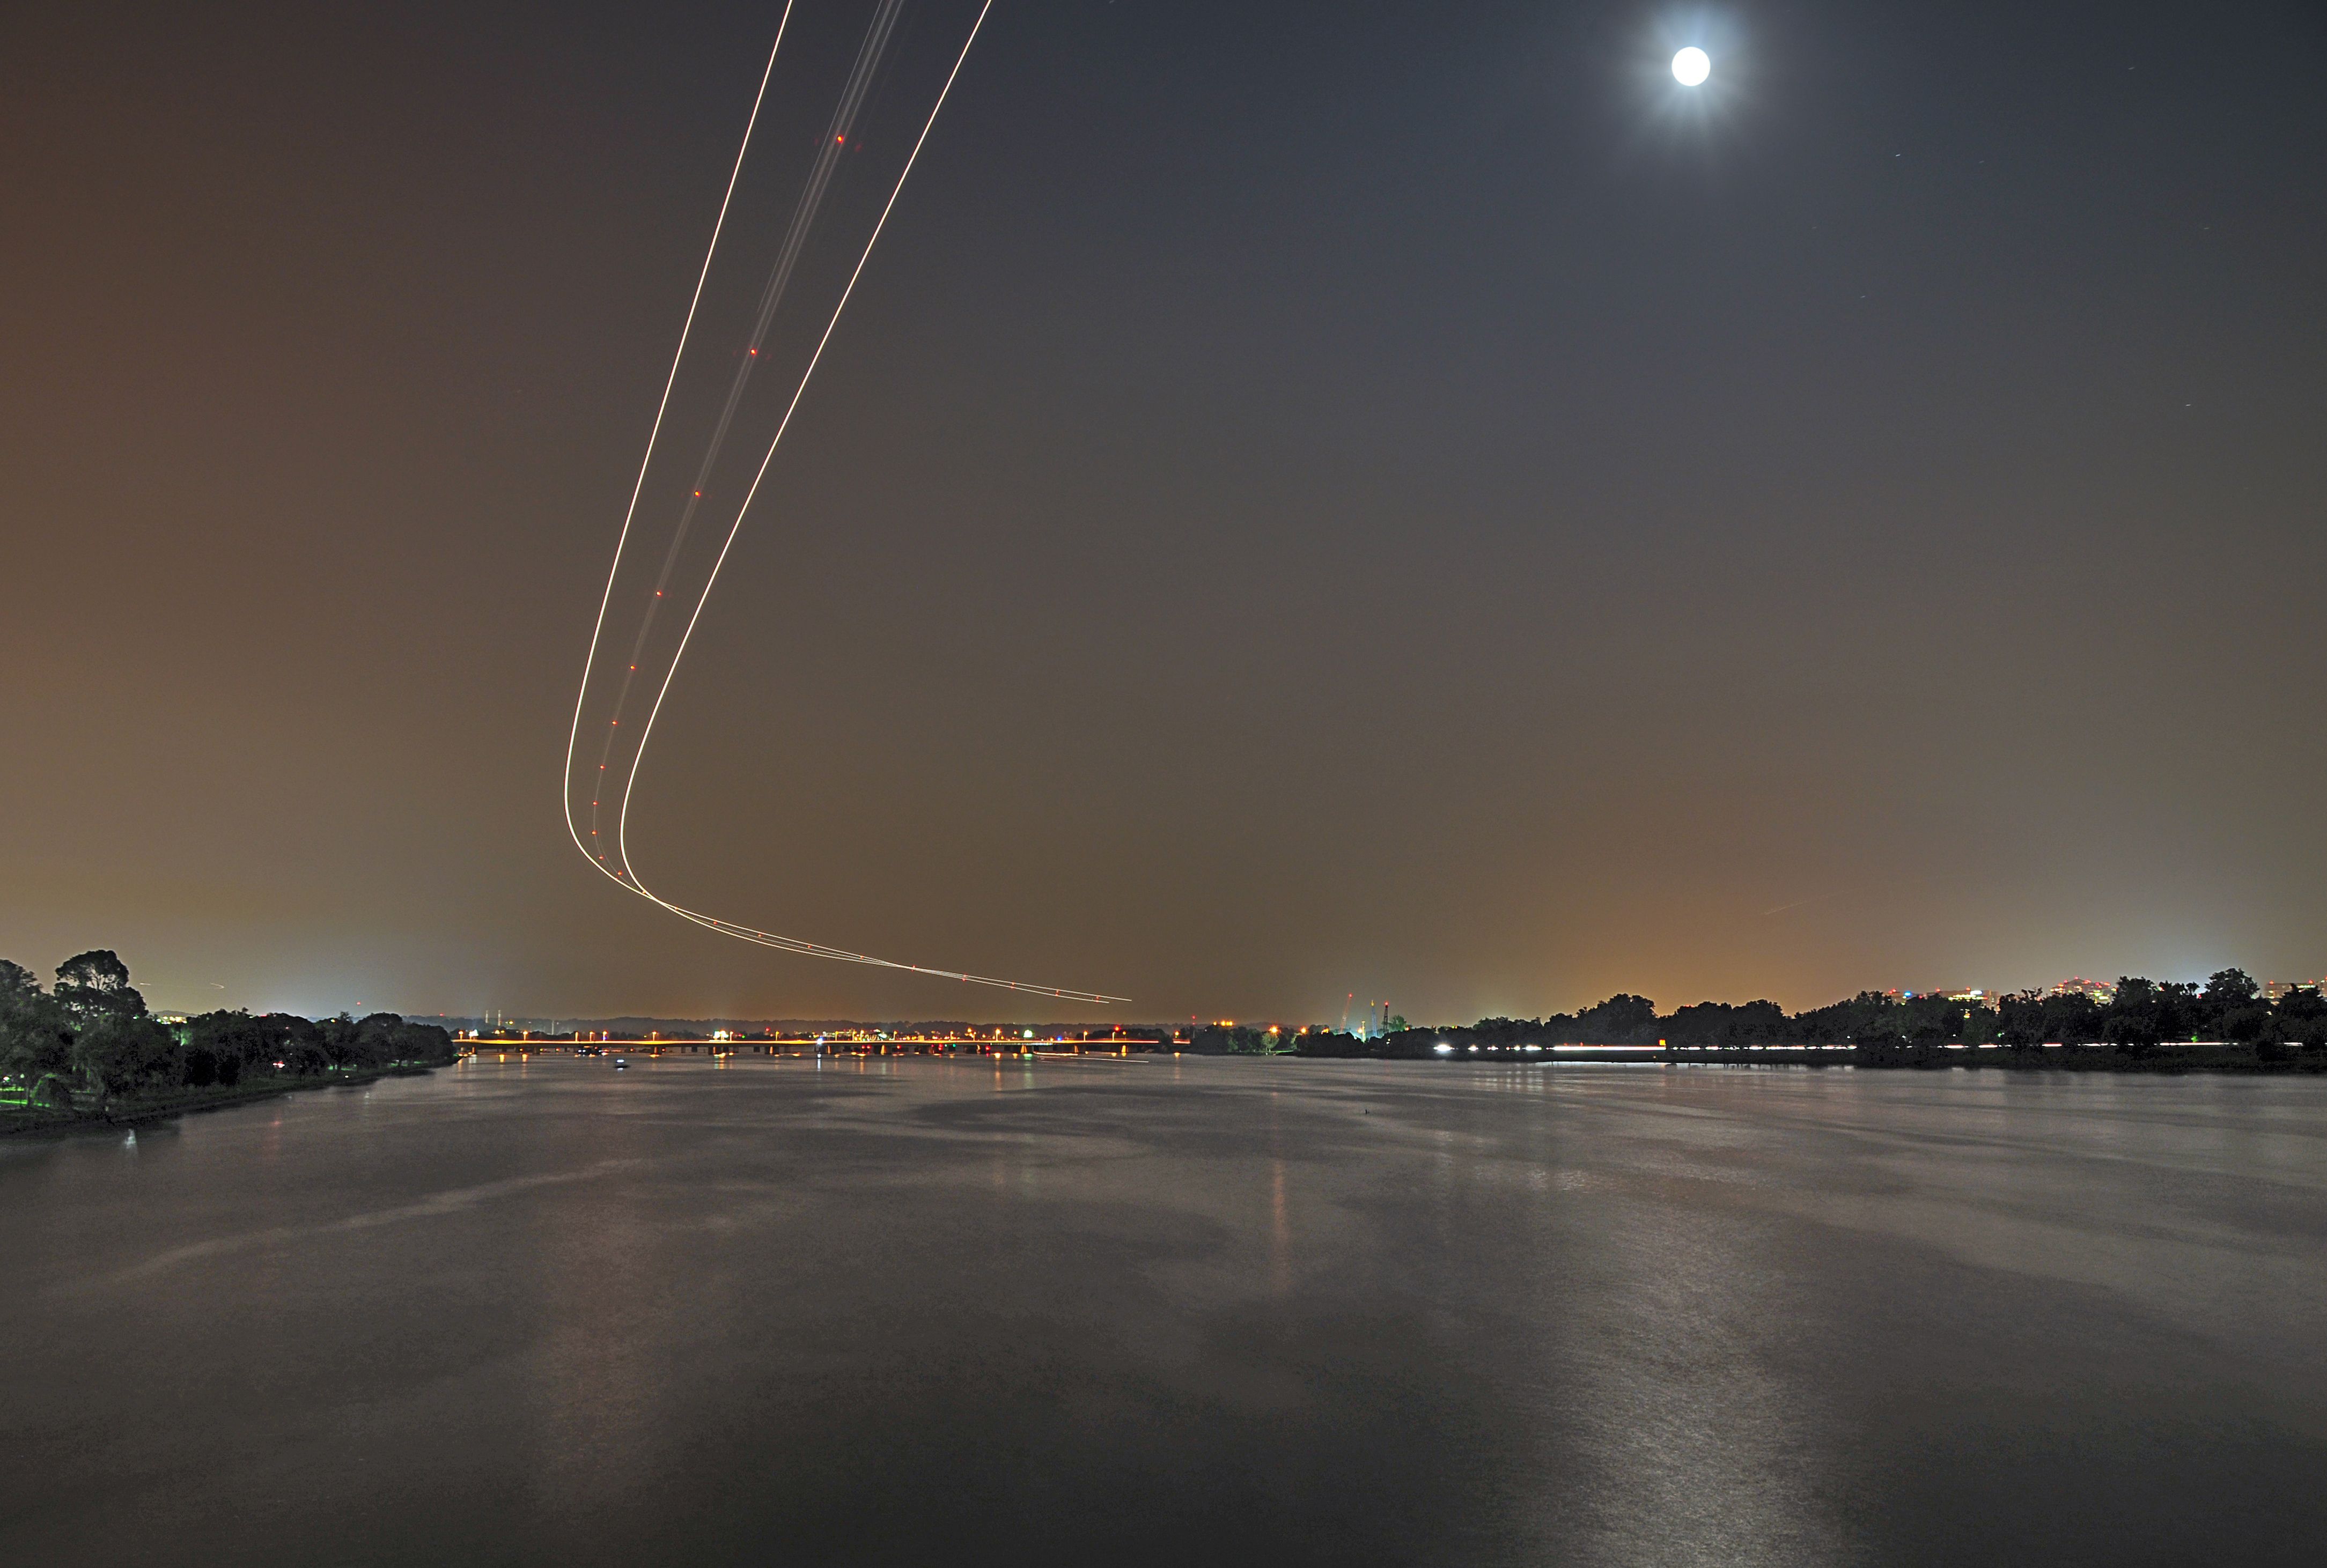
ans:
(1691, 66)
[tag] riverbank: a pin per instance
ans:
(2212, 1056)
(2215, 1056)
(1459, 1045)
(145, 1109)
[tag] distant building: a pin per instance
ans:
(1949, 992)
(2100, 991)
(2273, 990)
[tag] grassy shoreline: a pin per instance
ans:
(145, 1110)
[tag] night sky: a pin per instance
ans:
(1308, 498)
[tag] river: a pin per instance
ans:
(1150, 1311)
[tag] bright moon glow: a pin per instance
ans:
(1691, 66)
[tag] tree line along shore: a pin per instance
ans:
(2147, 1025)
(88, 1048)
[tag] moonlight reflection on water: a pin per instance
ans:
(1128, 1311)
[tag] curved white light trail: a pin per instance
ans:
(627, 877)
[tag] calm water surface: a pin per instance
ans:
(1191, 1312)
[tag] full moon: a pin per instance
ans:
(1691, 66)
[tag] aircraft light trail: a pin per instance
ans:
(622, 872)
